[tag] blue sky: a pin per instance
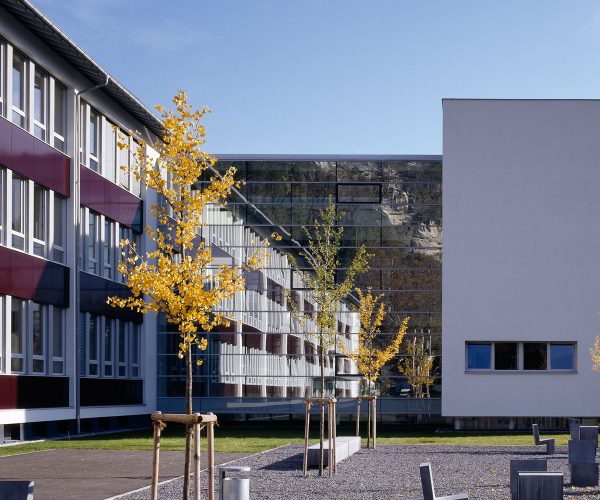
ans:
(337, 76)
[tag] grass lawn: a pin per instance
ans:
(255, 437)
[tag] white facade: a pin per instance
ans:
(521, 252)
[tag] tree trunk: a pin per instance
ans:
(188, 428)
(322, 422)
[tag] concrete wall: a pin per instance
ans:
(521, 249)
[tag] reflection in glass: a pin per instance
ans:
(506, 356)
(534, 356)
(562, 356)
(479, 356)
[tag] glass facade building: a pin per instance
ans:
(392, 205)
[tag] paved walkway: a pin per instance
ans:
(93, 474)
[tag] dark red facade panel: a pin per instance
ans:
(34, 159)
(22, 391)
(32, 278)
(107, 198)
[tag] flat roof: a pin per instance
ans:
(51, 34)
(327, 157)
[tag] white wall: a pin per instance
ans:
(521, 249)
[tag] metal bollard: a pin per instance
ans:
(234, 488)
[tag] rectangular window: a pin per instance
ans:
(92, 243)
(562, 356)
(535, 356)
(123, 165)
(60, 116)
(92, 342)
(122, 349)
(110, 151)
(479, 356)
(39, 220)
(57, 341)
(135, 350)
(2, 201)
(108, 348)
(17, 327)
(108, 249)
(19, 204)
(40, 104)
(58, 249)
(19, 87)
(94, 140)
(506, 356)
(38, 338)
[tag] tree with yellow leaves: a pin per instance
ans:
(417, 366)
(178, 277)
(595, 354)
(368, 357)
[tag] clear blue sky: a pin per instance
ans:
(337, 76)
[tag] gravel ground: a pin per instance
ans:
(390, 472)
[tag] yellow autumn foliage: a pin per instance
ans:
(417, 367)
(368, 357)
(179, 278)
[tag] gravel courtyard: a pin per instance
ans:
(390, 472)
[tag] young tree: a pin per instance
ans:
(179, 278)
(368, 357)
(417, 366)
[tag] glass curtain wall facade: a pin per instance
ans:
(393, 206)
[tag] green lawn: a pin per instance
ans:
(255, 437)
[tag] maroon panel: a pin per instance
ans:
(51, 168)
(8, 392)
(30, 277)
(22, 152)
(34, 159)
(5, 142)
(107, 198)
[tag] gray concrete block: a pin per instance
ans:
(582, 452)
(540, 486)
(589, 433)
(16, 490)
(517, 466)
(314, 453)
(584, 474)
(354, 443)
(574, 428)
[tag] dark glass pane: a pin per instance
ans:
(358, 171)
(313, 193)
(562, 356)
(479, 356)
(314, 171)
(534, 356)
(413, 171)
(359, 193)
(506, 356)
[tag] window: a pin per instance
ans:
(521, 356)
(60, 116)
(19, 204)
(479, 356)
(110, 152)
(40, 104)
(17, 311)
(108, 348)
(94, 140)
(92, 344)
(535, 356)
(92, 243)
(562, 356)
(58, 355)
(2, 201)
(506, 356)
(58, 244)
(359, 193)
(122, 349)
(38, 339)
(108, 249)
(39, 220)
(19, 88)
(123, 164)
(135, 350)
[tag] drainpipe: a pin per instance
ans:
(77, 203)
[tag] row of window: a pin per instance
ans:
(33, 216)
(35, 343)
(110, 347)
(100, 244)
(517, 356)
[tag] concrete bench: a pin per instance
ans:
(429, 489)
(517, 466)
(344, 447)
(541, 485)
(16, 490)
(539, 442)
